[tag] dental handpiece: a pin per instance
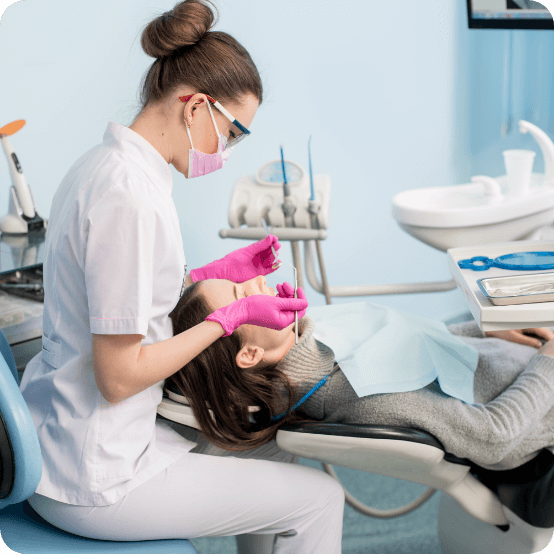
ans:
(277, 265)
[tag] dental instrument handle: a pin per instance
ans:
(267, 233)
(312, 197)
(18, 179)
(276, 264)
(286, 187)
(295, 315)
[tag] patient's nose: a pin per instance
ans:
(259, 284)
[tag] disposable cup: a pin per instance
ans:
(519, 168)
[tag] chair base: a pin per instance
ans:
(460, 533)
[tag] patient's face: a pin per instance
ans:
(258, 342)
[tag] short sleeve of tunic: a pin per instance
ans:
(122, 249)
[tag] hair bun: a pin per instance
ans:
(182, 26)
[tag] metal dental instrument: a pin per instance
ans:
(314, 208)
(312, 191)
(295, 313)
(277, 266)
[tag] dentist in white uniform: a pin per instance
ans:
(114, 269)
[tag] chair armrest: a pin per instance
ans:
(408, 454)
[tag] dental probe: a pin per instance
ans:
(295, 283)
(295, 313)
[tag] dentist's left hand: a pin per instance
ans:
(242, 264)
(286, 290)
(261, 310)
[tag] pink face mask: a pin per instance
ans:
(201, 163)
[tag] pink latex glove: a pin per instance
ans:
(286, 290)
(242, 264)
(261, 310)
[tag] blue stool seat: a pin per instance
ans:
(24, 531)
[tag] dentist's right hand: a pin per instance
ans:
(261, 310)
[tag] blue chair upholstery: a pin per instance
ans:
(22, 529)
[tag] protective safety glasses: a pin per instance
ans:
(237, 132)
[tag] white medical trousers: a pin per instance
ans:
(212, 492)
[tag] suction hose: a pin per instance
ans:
(374, 512)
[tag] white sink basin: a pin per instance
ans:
(462, 215)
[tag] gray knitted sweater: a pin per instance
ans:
(513, 414)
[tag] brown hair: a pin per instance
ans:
(214, 380)
(188, 53)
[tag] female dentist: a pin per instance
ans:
(113, 271)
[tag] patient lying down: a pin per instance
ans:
(511, 420)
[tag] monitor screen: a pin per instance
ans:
(508, 14)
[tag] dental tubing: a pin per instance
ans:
(289, 208)
(314, 208)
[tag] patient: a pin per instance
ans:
(512, 418)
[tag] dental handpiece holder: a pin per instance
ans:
(261, 196)
(285, 204)
(22, 216)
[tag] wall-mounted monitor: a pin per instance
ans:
(508, 14)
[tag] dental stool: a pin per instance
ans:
(481, 511)
(22, 529)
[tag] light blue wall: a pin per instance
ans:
(385, 88)
(509, 76)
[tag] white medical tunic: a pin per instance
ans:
(114, 264)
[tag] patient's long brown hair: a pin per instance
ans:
(213, 380)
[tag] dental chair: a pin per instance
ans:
(22, 529)
(481, 511)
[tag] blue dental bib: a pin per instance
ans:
(381, 350)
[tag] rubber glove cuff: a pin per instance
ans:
(219, 317)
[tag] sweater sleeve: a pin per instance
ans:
(484, 433)
(466, 329)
